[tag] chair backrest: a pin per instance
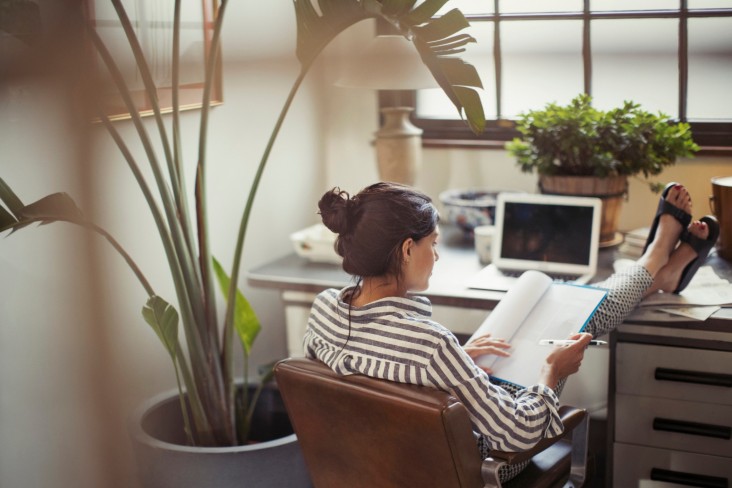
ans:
(357, 431)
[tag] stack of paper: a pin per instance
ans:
(634, 242)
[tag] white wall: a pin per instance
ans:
(48, 358)
(44, 387)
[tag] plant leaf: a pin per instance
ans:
(57, 206)
(396, 8)
(246, 322)
(434, 38)
(163, 318)
(315, 31)
(51, 208)
(6, 219)
(450, 44)
(459, 73)
(22, 19)
(424, 11)
(10, 199)
(440, 28)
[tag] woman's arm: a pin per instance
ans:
(509, 424)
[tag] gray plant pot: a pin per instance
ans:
(163, 461)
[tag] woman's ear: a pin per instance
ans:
(407, 247)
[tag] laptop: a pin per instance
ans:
(557, 235)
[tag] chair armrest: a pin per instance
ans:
(571, 418)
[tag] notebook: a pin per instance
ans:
(557, 235)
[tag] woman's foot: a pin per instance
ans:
(668, 277)
(667, 233)
(667, 207)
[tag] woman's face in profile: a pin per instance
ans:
(421, 260)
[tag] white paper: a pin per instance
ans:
(705, 289)
(534, 309)
(694, 313)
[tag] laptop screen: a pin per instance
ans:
(541, 232)
(551, 233)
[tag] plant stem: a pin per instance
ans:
(231, 300)
(183, 408)
(203, 427)
(208, 374)
(253, 403)
(204, 260)
(243, 425)
(185, 218)
(152, 93)
(186, 308)
(128, 259)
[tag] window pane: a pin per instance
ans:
(631, 59)
(634, 4)
(514, 6)
(640, 65)
(710, 68)
(467, 7)
(542, 62)
(433, 103)
(710, 3)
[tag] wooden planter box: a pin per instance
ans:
(612, 190)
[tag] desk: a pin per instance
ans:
(298, 277)
(458, 261)
(670, 400)
(594, 387)
(299, 280)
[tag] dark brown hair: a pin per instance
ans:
(373, 224)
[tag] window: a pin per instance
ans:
(153, 23)
(673, 56)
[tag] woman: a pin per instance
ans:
(387, 236)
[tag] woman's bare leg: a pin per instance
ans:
(626, 288)
(668, 277)
(667, 235)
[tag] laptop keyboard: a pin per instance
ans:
(563, 278)
(557, 278)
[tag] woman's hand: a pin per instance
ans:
(483, 345)
(564, 360)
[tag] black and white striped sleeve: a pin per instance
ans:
(509, 424)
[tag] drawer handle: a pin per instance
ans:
(699, 377)
(688, 479)
(692, 428)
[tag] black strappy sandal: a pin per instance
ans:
(702, 248)
(665, 207)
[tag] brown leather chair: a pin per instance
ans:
(357, 431)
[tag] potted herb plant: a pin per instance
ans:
(577, 149)
(212, 420)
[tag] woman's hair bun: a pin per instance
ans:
(334, 206)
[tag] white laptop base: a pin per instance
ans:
(558, 235)
(492, 278)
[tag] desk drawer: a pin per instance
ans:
(674, 424)
(674, 372)
(635, 463)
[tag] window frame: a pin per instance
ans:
(713, 137)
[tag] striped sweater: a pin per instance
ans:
(395, 339)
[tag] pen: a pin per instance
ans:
(567, 342)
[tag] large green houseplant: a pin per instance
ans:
(577, 149)
(212, 413)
